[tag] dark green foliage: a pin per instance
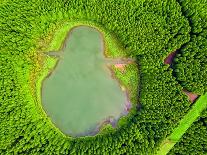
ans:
(148, 30)
(196, 12)
(190, 65)
(190, 68)
(160, 97)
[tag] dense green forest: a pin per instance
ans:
(191, 61)
(148, 30)
(191, 72)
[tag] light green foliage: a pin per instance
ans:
(147, 30)
(194, 140)
(191, 116)
(185, 123)
(129, 78)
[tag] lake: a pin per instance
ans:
(81, 92)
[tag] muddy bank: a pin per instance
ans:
(169, 59)
(191, 96)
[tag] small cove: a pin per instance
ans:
(80, 93)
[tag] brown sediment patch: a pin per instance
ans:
(128, 104)
(120, 63)
(121, 67)
(108, 120)
(191, 96)
(170, 57)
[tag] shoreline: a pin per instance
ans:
(103, 50)
(38, 85)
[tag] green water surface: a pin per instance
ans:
(81, 93)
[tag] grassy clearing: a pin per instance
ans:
(166, 146)
(129, 78)
(57, 35)
(185, 123)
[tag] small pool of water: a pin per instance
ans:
(80, 93)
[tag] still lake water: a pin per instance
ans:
(81, 93)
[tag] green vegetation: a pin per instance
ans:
(190, 65)
(191, 116)
(190, 70)
(184, 124)
(146, 30)
(194, 140)
(129, 77)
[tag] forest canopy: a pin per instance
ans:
(148, 31)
